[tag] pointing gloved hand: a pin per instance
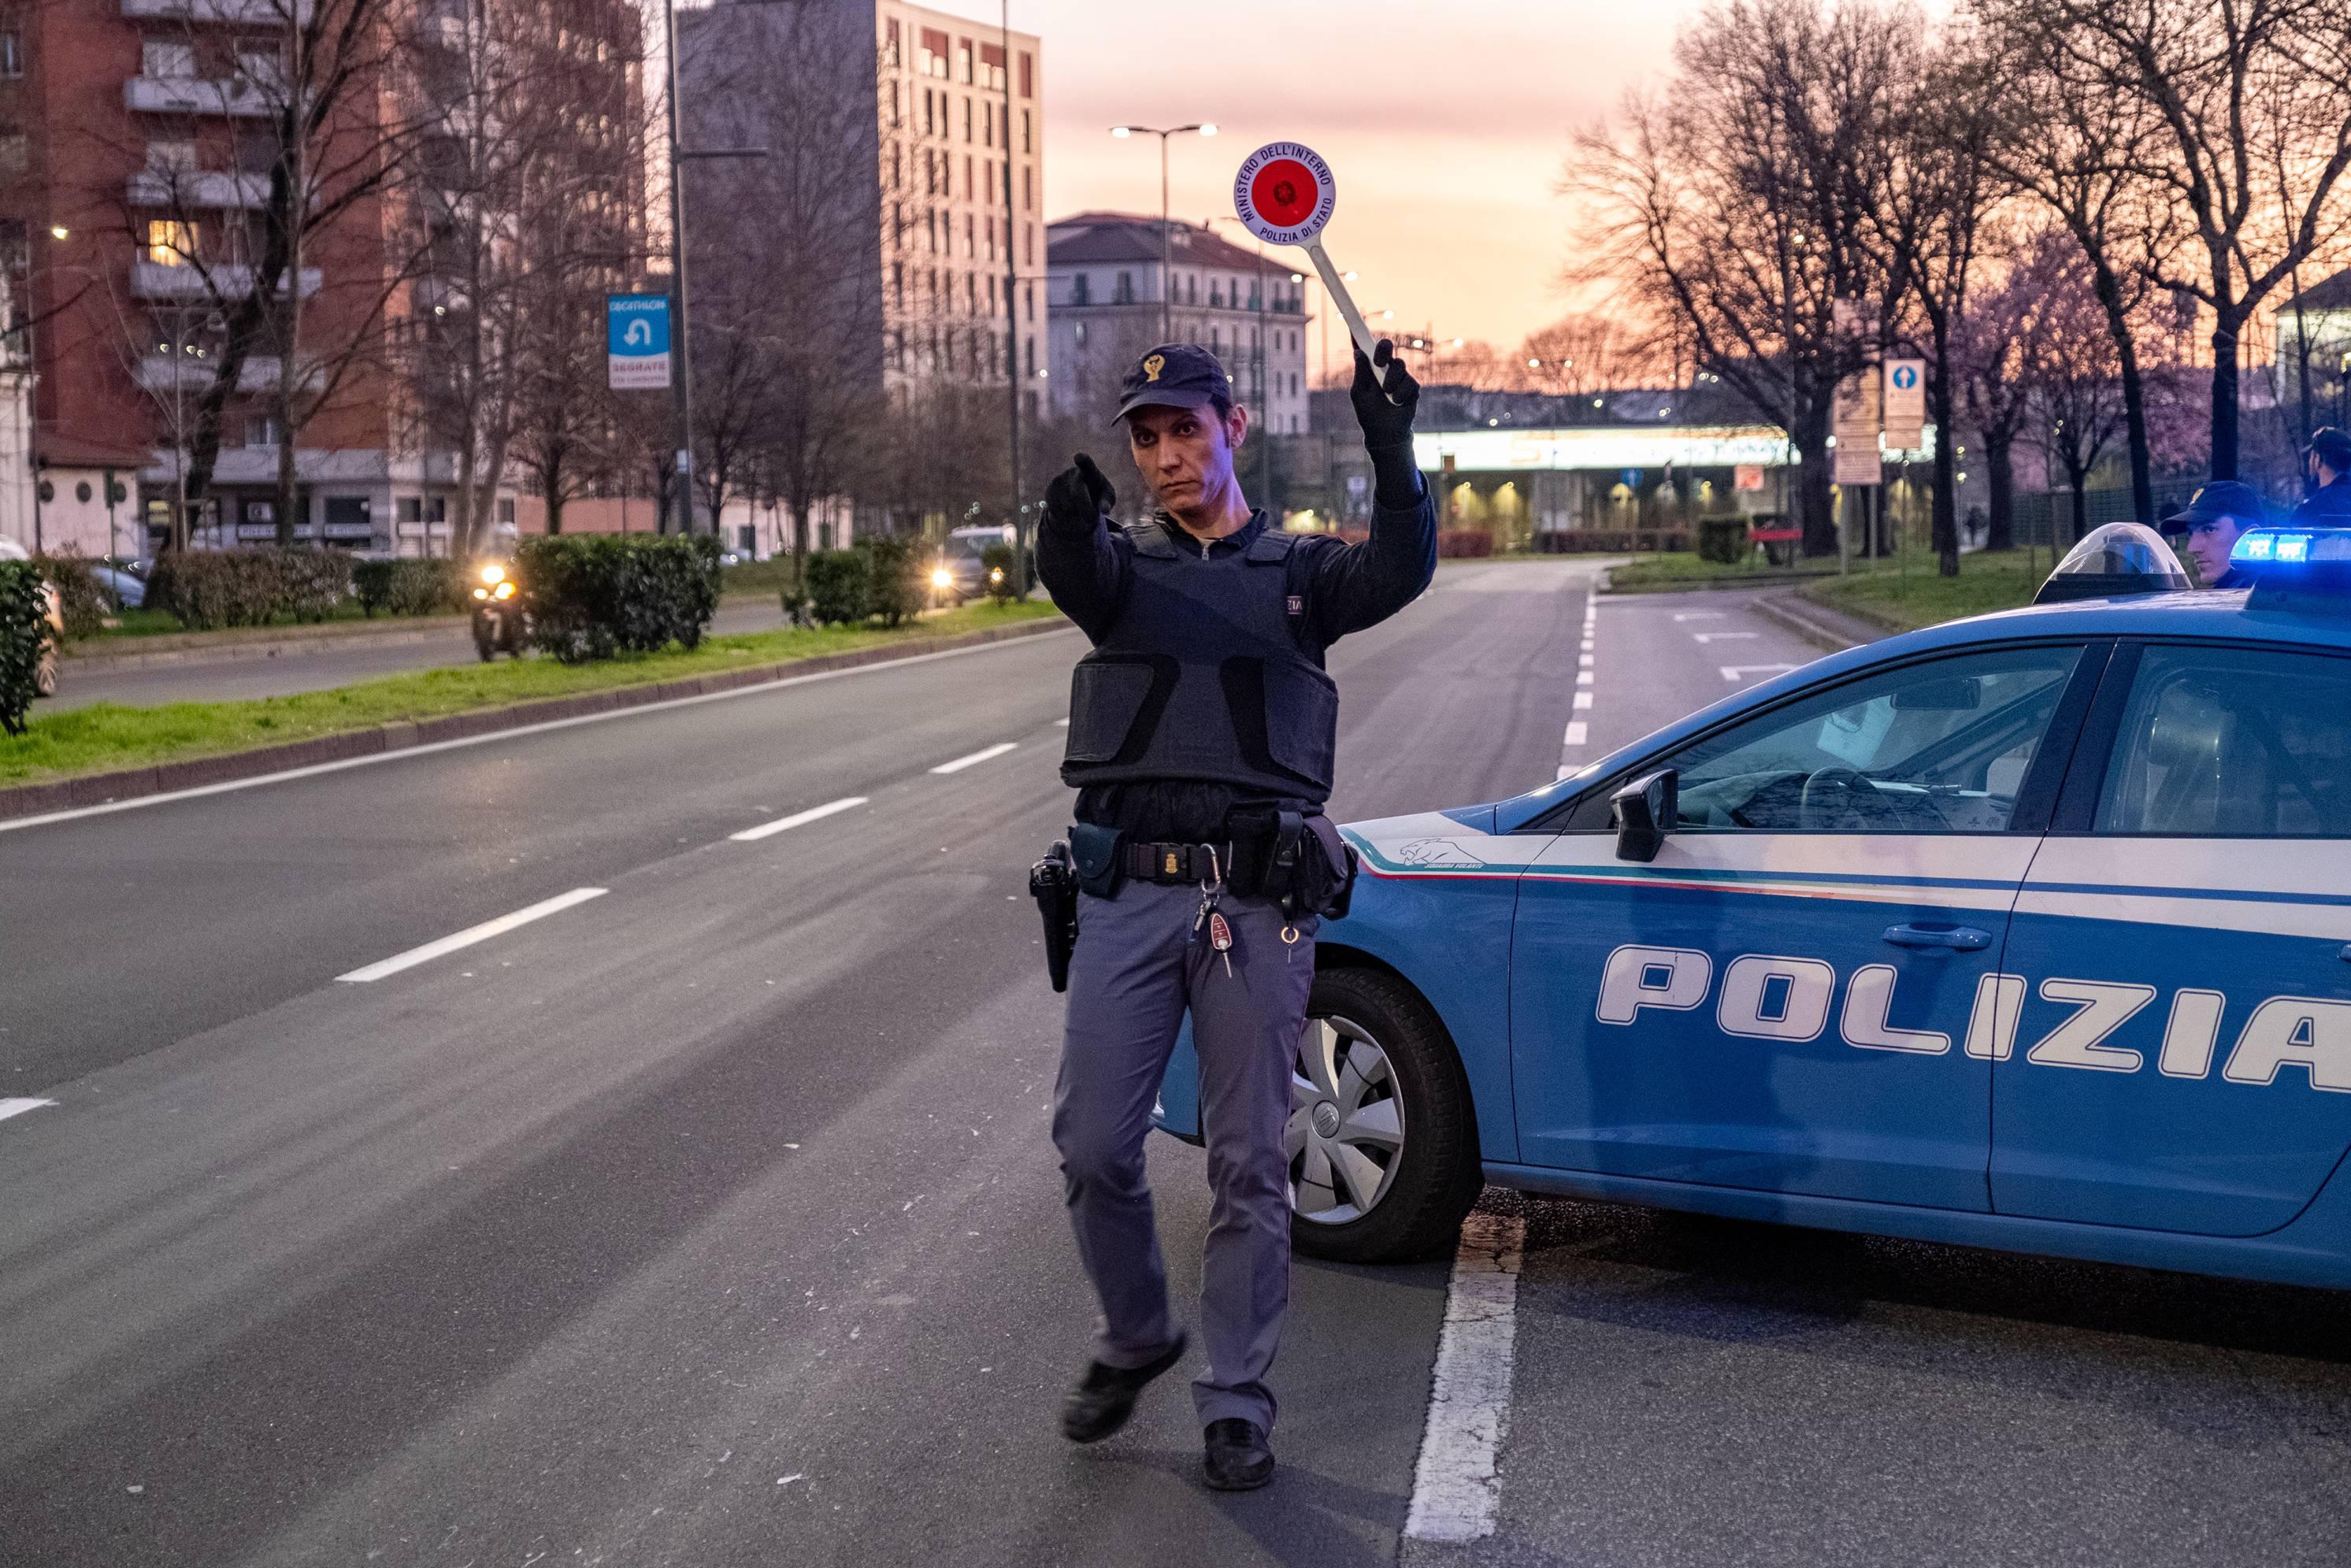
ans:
(1384, 398)
(1078, 497)
(1377, 380)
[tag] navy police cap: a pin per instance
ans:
(2221, 498)
(1174, 375)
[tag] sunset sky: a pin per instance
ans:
(1445, 123)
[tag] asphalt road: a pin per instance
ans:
(712, 1220)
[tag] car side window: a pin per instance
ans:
(1938, 747)
(2249, 743)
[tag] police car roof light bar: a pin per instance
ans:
(2302, 569)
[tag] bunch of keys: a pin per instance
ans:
(1220, 931)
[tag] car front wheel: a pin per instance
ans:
(1382, 1142)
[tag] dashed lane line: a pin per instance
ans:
(471, 934)
(18, 1107)
(1578, 733)
(1735, 674)
(1457, 1483)
(1705, 637)
(976, 758)
(798, 820)
(1582, 701)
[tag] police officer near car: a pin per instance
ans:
(2327, 464)
(2211, 523)
(1203, 735)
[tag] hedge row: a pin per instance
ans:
(412, 587)
(82, 603)
(209, 588)
(1457, 543)
(884, 576)
(23, 638)
(595, 595)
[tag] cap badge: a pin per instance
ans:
(1152, 366)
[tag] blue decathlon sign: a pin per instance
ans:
(636, 341)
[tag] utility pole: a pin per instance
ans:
(1013, 385)
(1166, 227)
(681, 368)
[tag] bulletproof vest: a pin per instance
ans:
(1206, 675)
(2328, 507)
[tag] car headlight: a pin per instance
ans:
(502, 590)
(481, 593)
(493, 573)
(942, 578)
(996, 574)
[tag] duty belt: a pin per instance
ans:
(1193, 863)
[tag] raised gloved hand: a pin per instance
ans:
(1078, 497)
(1377, 381)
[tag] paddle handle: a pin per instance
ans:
(1356, 330)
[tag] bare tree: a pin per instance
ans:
(2251, 102)
(1588, 352)
(2074, 373)
(1993, 347)
(1737, 204)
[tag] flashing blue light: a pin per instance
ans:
(2253, 547)
(2293, 548)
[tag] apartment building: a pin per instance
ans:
(945, 219)
(136, 144)
(1108, 279)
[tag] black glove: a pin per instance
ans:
(1387, 426)
(1078, 497)
(1386, 423)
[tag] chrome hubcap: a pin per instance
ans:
(1346, 1123)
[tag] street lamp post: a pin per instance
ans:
(1166, 247)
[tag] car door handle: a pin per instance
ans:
(1964, 938)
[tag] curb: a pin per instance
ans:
(1711, 585)
(1828, 630)
(129, 784)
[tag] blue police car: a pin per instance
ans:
(2031, 931)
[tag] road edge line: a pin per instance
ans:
(1456, 1483)
(98, 794)
(457, 941)
(798, 820)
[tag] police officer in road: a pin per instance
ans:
(2328, 462)
(2211, 521)
(1203, 733)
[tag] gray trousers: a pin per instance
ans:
(1137, 970)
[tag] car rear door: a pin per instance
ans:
(2181, 950)
(1783, 998)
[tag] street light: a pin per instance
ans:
(1166, 248)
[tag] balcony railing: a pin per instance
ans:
(186, 190)
(198, 95)
(241, 12)
(161, 280)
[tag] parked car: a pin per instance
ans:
(2030, 932)
(125, 587)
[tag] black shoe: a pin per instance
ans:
(1105, 1397)
(1238, 1457)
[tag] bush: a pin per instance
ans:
(839, 581)
(209, 588)
(594, 595)
(1458, 543)
(83, 602)
(897, 578)
(24, 639)
(997, 559)
(1723, 540)
(410, 587)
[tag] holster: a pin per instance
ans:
(1311, 870)
(1053, 883)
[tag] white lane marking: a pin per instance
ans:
(1564, 769)
(1455, 1485)
(1704, 637)
(1583, 677)
(1583, 661)
(1582, 700)
(1578, 732)
(798, 820)
(1697, 615)
(1061, 724)
(18, 1107)
(960, 763)
(471, 934)
(495, 737)
(1735, 674)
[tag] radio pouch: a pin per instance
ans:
(1100, 867)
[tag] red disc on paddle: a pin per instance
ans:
(1285, 192)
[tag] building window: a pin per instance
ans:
(167, 60)
(1193, 285)
(170, 157)
(966, 123)
(170, 242)
(15, 246)
(1081, 293)
(1028, 189)
(890, 45)
(1028, 89)
(1125, 295)
(963, 75)
(1081, 328)
(261, 430)
(987, 125)
(12, 54)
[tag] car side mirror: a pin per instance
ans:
(1646, 810)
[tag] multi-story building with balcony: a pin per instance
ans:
(1117, 289)
(137, 143)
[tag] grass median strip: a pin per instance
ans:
(1905, 601)
(106, 736)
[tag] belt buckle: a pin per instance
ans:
(1169, 866)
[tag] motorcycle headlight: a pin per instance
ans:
(502, 590)
(942, 578)
(493, 573)
(481, 593)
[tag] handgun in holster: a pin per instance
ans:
(1053, 883)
